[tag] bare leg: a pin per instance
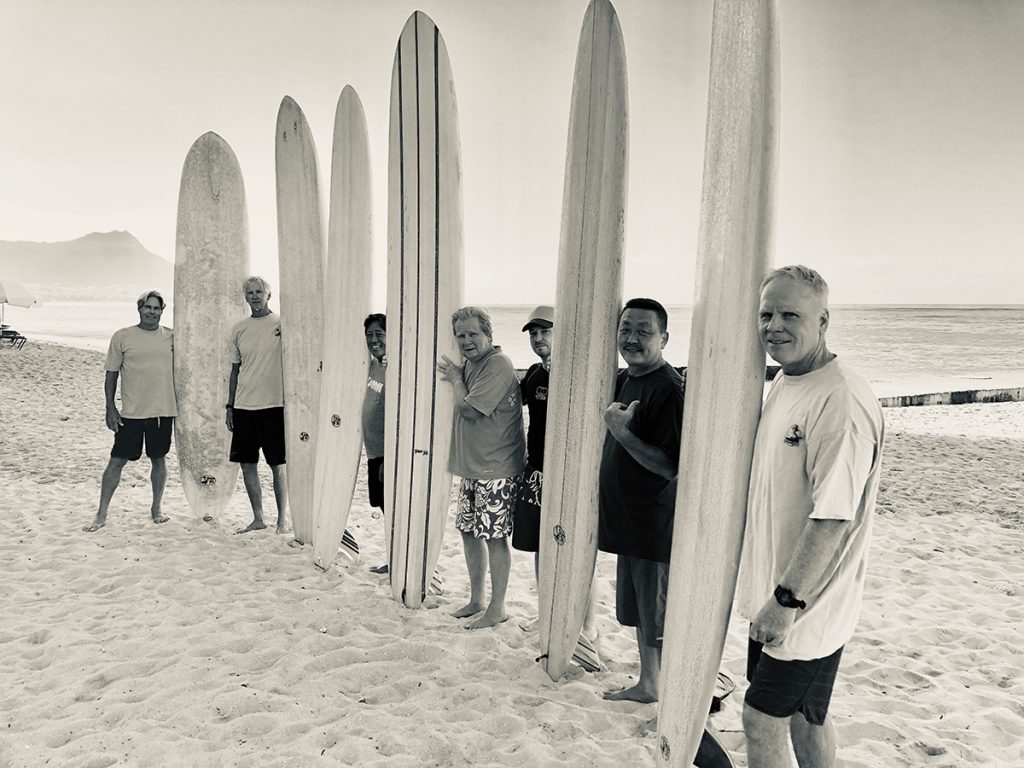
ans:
(108, 484)
(280, 495)
(251, 478)
(646, 689)
(501, 563)
(158, 477)
(767, 739)
(476, 563)
(814, 745)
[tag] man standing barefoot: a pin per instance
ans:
(255, 407)
(810, 509)
(637, 486)
(142, 356)
(489, 453)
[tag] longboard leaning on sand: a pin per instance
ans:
(211, 261)
(425, 273)
(301, 297)
(345, 363)
(588, 295)
(725, 377)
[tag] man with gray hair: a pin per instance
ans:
(810, 510)
(255, 407)
(142, 356)
(489, 453)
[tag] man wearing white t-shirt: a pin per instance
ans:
(142, 357)
(255, 407)
(810, 510)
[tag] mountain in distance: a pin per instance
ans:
(101, 266)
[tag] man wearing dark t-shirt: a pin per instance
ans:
(637, 486)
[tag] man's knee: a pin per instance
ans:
(116, 464)
(762, 729)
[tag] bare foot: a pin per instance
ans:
(281, 527)
(487, 621)
(255, 525)
(636, 693)
(158, 518)
(469, 609)
(95, 525)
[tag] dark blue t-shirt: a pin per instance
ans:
(637, 506)
(534, 387)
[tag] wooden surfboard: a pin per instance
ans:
(301, 297)
(588, 296)
(425, 274)
(725, 377)
(347, 286)
(211, 261)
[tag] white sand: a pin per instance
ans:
(184, 645)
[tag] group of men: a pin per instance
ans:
(810, 507)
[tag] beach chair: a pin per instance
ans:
(12, 337)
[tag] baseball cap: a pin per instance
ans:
(543, 316)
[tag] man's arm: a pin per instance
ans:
(617, 418)
(229, 414)
(113, 416)
(815, 550)
(452, 373)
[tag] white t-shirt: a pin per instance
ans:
(817, 455)
(145, 362)
(256, 345)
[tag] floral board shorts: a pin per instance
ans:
(486, 507)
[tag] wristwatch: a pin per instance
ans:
(785, 597)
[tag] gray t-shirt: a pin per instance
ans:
(494, 446)
(373, 410)
(145, 362)
(256, 345)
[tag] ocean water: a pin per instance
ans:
(901, 350)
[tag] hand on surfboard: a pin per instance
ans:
(114, 419)
(449, 371)
(772, 623)
(617, 417)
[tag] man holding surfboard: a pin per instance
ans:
(637, 487)
(810, 510)
(142, 356)
(488, 452)
(255, 407)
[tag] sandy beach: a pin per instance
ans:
(186, 645)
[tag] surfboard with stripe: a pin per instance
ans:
(588, 296)
(211, 261)
(425, 277)
(345, 359)
(725, 377)
(301, 266)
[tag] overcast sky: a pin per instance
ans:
(902, 130)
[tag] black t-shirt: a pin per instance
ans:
(534, 388)
(637, 507)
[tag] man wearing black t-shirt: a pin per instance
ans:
(637, 487)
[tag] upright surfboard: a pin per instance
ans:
(588, 295)
(211, 261)
(725, 377)
(301, 298)
(425, 273)
(347, 289)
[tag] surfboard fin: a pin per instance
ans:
(585, 654)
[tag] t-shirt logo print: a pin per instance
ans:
(542, 393)
(277, 331)
(794, 436)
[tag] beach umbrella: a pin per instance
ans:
(14, 293)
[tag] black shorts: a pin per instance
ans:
(155, 433)
(258, 429)
(783, 688)
(526, 523)
(641, 589)
(375, 482)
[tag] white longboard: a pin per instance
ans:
(589, 292)
(301, 297)
(211, 261)
(345, 359)
(725, 377)
(425, 275)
